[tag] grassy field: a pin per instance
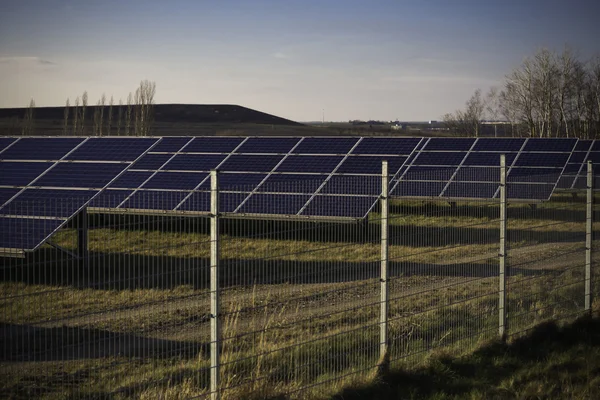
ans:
(300, 302)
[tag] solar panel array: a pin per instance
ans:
(45, 181)
(575, 173)
(464, 168)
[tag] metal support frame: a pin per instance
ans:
(589, 219)
(82, 237)
(502, 328)
(215, 325)
(383, 316)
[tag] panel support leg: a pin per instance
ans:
(502, 328)
(589, 220)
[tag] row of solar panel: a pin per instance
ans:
(575, 172)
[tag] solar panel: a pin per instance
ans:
(170, 144)
(250, 162)
(449, 144)
(419, 173)
(583, 145)
(547, 175)
(5, 142)
(154, 200)
(80, 175)
(21, 173)
(25, 233)
(391, 146)
(6, 194)
(110, 198)
(175, 180)
(488, 159)
(200, 202)
(151, 161)
(348, 184)
(370, 164)
(339, 206)
(471, 190)
(439, 158)
(303, 163)
(213, 144)
(131, 179)
(194, 162)
(111, 149)
(524, 191)
(542, 160)
(478, 174)
(292, 183)
(274, 204)
(268, 145)
(312, 145)
(418, 189)
(47, 202)
(236, 181)
(550, 145)
(40, 148)
(499, 145)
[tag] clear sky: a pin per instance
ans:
(413, 60)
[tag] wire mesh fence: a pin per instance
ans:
(144, 303)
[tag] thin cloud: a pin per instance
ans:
(281, 56)
(25, 60)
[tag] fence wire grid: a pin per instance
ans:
(164, 305)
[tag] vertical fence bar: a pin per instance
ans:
(502, 252)
(215, 328)
(383, 317)
(588, 237)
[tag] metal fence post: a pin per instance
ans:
(215, 328)
(82, 237)
(383, 317)
(588, 237)
(502, 252)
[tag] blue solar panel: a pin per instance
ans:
(577, 157)
(313, 145)
(292, 183)
(239, 182)
(6, 194)
(154, 200)
(596, 145)
(449, 144)
(439, 158)
(175, 180)
(25, 233)
(194, 162)
(393, 146)
(488, 159)
(318, 164)
(112, 149)
(553, 144)
(277, 204)
(478, 174)
(348, 184)
(548, 175)
(151, 161)
(421, 144)
(471, 190)
(20, 173)
(5, 142)
(48, 202)
(251, 162)
(268, 145)
(418, 173)
(213, 144)
(498, 145)
(519, 191)
(583, 145)
(81, 175)
(339, 206)
(418, 189)
(40, 148)
(171, 144)
(572, 169)
(565, 181)
(542, 160)
(110, 198)
(200, 202)
(370, 164)
(594, 156)
(131, 179)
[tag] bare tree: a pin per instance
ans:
(102, 103)
(492, 107)
(96, 120)
(66, 117)
(128, 116)
(28, 122)
(110, 116)
(84, 102)
(120, 117)
(76, 116)
(467, 122)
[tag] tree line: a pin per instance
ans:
(135, 118)
(549, 95)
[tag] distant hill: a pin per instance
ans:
(191, 113)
